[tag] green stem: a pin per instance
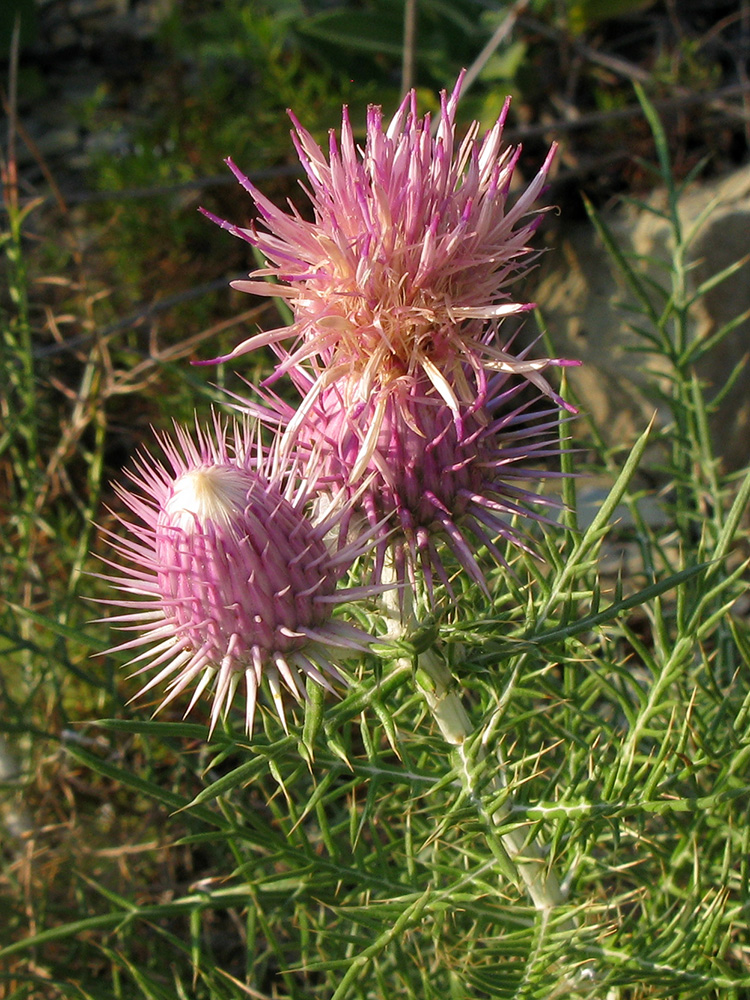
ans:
(526, 860)
(522, 862)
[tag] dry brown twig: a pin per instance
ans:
(630, 71)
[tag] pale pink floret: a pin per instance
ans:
(229, 581)
(414, 244)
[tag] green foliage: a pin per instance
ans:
(360, 855)
(584, 14)
(223, 77)
(447, 37)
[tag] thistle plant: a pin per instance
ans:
(412, 427)
(432, 746)
(416, 451)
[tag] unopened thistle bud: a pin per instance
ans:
(425, 482)
(230, 581)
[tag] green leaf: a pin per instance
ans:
(377, 32)
(128, 779)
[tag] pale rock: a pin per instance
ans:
(582, 299)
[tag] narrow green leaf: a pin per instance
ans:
(54, 627)
(599, 525)
(633, 280)
(614, 610)
(662, 152)
(716, 279)
(127, 778)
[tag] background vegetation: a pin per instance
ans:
(140, 861)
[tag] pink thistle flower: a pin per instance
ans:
(414, 243)
(422, 480)
(229, 579)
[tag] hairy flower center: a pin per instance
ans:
(214, 493)
(236, 559)
(385, 334)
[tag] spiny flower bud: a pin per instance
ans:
(233, 582)
(424, 480)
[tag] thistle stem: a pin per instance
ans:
(525, 860)
(521, 861)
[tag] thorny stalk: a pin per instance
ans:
(518, 859)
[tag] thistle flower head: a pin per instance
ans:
(414, 244)
(227, 579)
(424, 481)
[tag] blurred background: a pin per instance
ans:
(123, 113)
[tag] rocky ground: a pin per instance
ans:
(84, 54)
